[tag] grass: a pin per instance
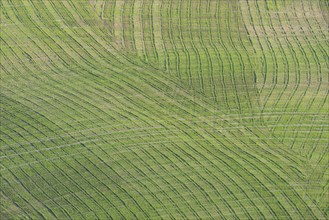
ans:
(164, 109)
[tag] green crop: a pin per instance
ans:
(163, 109)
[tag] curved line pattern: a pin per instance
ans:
(152, 109)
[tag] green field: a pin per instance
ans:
(164, 109)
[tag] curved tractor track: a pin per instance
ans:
(153, 109)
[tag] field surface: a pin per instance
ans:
(164, 109)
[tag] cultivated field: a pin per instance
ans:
(164, 109)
